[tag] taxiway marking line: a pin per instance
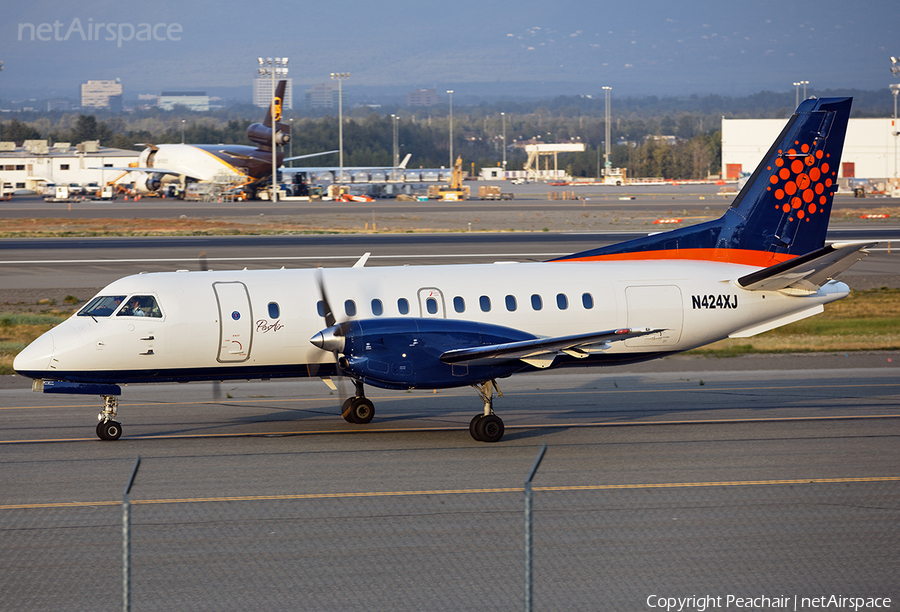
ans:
(705, 389)
(284, 258)
(493, 256)
(373, 430)
(372, 494)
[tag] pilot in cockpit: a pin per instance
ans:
(133, 308)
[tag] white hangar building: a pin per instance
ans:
(870, 148)
(28, 166)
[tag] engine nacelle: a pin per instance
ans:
(262, 135)
(404, 353)
(148, 183)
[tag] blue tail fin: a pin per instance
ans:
(783, 210)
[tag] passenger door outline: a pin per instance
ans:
(235, 322)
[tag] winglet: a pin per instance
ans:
(405, 161)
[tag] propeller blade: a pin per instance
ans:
(331, 339)
(329, 313)
(203, 265)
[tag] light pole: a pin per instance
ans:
(339, 77)
(797, 84)
(274, 67)
(895, 89)
(291, 142)
(450, 91)
(396, 138)
(182, 131)
(503, 119)
(1, 123)
(607, 164)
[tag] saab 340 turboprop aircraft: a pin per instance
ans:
(761, 265)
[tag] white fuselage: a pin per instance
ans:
(192, 161)
(223, 321)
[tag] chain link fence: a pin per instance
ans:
(597, 548)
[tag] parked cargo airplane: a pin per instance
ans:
(248, 166)
(761, 265)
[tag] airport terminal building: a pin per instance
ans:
(870, 149)
(36, 163)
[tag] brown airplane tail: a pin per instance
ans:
(260, 134)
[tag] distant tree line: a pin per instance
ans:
(636, 128)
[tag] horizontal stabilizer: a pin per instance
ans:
(807, 272)
(529, 349)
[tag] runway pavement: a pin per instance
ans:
(761, 476)
(36, 269)
(688, 476)
(529, 200)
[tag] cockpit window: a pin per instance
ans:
(101, 306)
(140, 306)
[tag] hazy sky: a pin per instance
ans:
(637, 47)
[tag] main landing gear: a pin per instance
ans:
(358, 409)
(108, 428)
(487, 427)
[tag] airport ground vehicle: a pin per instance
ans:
(492, 192)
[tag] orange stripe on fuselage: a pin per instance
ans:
(761, 259)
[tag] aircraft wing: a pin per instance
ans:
(289, 169)
(541, 351)
(287, 159)
(808, 272)
(149, 170)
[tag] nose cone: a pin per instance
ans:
(34, 360)
(328, 339)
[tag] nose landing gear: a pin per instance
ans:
(108, 428)
(358, 409)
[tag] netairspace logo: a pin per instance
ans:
(90, 31)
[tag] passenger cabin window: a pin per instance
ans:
(140, 306)
(320, 308)
(459, 304)
(350, 308)
(587, 300)
(274, 310)
(511, 303)
(536, 302)
(485, 303)
(101, 306)
(403, 306)
(377, 307)
(562, 302)
(431, 305)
